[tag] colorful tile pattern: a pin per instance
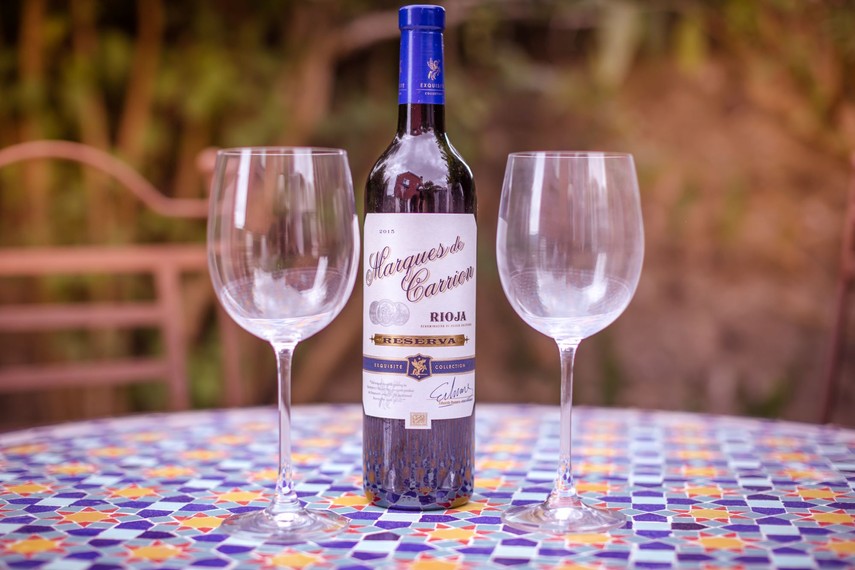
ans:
(701, 492)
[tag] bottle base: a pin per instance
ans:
(413, 502)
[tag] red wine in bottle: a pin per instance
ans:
(418, 387)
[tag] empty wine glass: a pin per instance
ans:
(569, 248)
(283, 245)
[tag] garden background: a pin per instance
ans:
(740, 114)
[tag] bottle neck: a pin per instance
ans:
(419, 118)
(421, 86)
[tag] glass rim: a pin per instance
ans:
(569, 154)
(281, 151)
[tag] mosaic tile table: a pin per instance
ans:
(701, 492)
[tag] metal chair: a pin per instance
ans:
(165, 263)
(845, 282)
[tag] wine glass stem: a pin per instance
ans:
(286, 497)
(564, 492)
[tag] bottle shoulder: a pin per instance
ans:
(430, 156)
(431, 143)
(420, 173)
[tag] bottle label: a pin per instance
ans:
(418, 361)
(422, 78)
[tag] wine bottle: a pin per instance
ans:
(418, 386)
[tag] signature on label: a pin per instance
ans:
(449, 393)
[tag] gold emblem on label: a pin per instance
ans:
(419, 340)
(419, 366)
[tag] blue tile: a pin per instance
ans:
(510, 561)
(412, 547)
(136, 525)
(212, 563)
(382, 536)
(437, 518)
(369, 555)
(153, 513)
(518, 542)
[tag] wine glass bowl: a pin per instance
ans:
(283, 248)
(296, 303)
(567, 304)
(569, 251)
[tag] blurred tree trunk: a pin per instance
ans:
(31, 65)
(195, 138)
(139, 97)
(91, 116)
(140, 92)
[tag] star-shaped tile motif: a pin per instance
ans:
(702, 454)
(827, 518)
(793, 456)
(491, 483)
(27, 489)
(808, 493)
(475, 506)
(501, 447)
(602, 451)
(89, 515)
(264, 475)
(840, 546)
(690, 439)
(700, 471)
(599, 487)
(707, 490)
(729, 541)
(72, 468)
(589, 468)
(306, 458)
(34, 545)
(430, 561)
(806, 474)
(293, 558)
(356, 501)
(159, 551)
(111, 451)
(779, 442)
(600, 539)
(170, 472)
(230, 439)
(462, 534)
(199, 521)
(603, 437)
(488, 464)
(239, 496)
(701, 513)
(134, 491)
(203, 455)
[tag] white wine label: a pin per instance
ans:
(418, 361)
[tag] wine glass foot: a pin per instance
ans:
(296, 526)
(578, 518)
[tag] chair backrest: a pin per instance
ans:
(845, 282)
(165, 263)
